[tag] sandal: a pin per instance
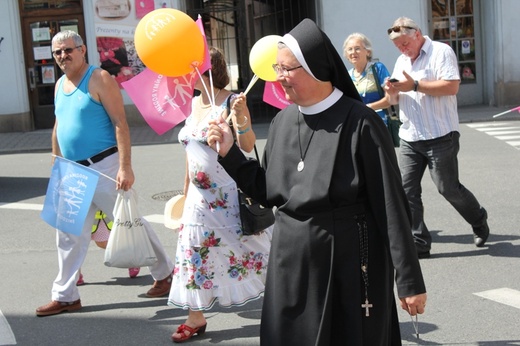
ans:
(80, 281)
(191, 331)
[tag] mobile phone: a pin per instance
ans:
(393, 80)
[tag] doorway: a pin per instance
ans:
(456, 23)
(42, 72)
(41, 20)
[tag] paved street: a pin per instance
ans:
(474, 293)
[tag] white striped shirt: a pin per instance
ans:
(423, 116)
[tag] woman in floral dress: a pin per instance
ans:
(214, 260)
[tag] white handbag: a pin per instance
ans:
(129, 245)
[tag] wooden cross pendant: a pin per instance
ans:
(366, 306)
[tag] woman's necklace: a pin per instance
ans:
(203, 113)
(301, 164)
(207, 106)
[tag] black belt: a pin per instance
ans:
(98, 157)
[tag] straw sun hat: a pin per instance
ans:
(173, 211)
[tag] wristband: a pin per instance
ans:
(415, 85)
(241, 132)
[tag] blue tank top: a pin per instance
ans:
(84, 127)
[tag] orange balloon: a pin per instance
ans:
(169, 42)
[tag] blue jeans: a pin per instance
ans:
(440, 156)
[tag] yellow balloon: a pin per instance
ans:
(169, 42)
(263, 56)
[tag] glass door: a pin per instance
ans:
(42, 72)
(455, 22)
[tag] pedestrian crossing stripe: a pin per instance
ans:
(504, 295)
(152, 218)
(6, 333)
(508, 132)
(22, 206)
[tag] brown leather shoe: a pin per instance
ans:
(160, 288)
(56, 307)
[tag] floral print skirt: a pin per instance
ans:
(217, 263)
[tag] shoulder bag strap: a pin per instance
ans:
(379, 88)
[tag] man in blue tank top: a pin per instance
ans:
(91, 129)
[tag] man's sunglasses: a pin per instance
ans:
(398, 29)
(67, 51)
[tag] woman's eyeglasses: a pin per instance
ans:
(67, 51)
(355, 49)
(284, 70)
(398, 28)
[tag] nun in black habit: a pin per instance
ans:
(342, 230)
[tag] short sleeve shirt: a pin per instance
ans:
(424, 116)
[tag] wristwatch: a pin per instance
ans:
(415, 85)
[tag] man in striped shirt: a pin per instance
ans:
(427, 83)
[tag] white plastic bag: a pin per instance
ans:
(128, 245)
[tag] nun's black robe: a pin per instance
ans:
(314, 288)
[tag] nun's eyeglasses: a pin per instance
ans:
(284, 70)
(398, 29)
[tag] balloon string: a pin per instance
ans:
(212, 95)
(251, 83)
(211, 87)
(249, 86)
(212, 98)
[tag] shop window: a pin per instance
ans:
(454, 24)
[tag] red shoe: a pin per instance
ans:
(191, 331)
(80, 281)
(133, 272)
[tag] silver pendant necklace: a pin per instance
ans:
(301, 164)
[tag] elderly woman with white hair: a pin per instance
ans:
(368, 76)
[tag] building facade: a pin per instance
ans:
(479, 31)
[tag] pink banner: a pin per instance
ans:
(164, 102)
(275, 95)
